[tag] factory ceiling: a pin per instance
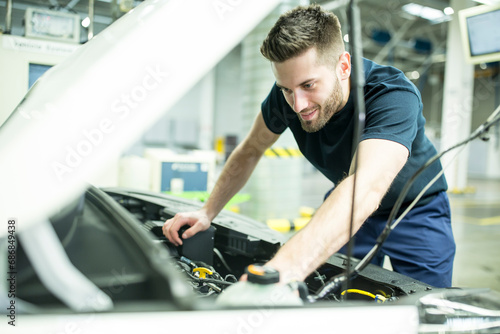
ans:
(392, 31)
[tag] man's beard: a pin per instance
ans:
(325, 112)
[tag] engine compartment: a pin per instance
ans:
(114, 238)
(222, 253)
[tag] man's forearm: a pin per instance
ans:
(326, 233)
(240, 166)
(328, 230)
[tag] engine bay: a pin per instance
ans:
(214, 259)
(113, 237)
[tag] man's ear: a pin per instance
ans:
(344, 66)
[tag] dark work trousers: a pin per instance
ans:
(421, 246)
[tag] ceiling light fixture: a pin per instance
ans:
(413, 75)
(428, 13)
(448, 11)
(86, 22)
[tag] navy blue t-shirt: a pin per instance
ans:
(393, 112)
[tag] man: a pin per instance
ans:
(312, 97)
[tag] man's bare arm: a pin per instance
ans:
(240, 166)
(234, 175)
(379, 163)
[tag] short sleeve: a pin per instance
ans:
(393, 116)
(276, 111)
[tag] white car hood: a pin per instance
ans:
(83, 113)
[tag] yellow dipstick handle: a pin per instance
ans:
(203, 272)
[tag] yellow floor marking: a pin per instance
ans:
(471, 204)
(477, 221)
(490, 221)
(464, 219)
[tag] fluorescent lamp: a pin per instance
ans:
(448, 11)
(428, 13)
(414, 75)
(86, 22)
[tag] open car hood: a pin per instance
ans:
(83, 113)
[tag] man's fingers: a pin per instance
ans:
(172, 226)
(191, 231)
(171, 230)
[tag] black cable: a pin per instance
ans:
(221, 258)
(332, 286)
(334, 283)
(230, 278)
(481, 130)
(319, 277)
(207, 280)
(189, 265)
(357, 86)
(183, 266)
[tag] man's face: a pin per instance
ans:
(313, 90)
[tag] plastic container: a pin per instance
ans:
(261, 289)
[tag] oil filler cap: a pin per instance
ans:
(262, 275)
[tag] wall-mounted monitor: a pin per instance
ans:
(480, 29)
(52, 25)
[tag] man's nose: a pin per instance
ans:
(299, 101)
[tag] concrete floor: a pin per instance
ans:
(476, 227)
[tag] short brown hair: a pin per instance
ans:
(301, 28)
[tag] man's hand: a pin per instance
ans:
(234, 175)
(198, 221)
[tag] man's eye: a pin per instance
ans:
(309, 85)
